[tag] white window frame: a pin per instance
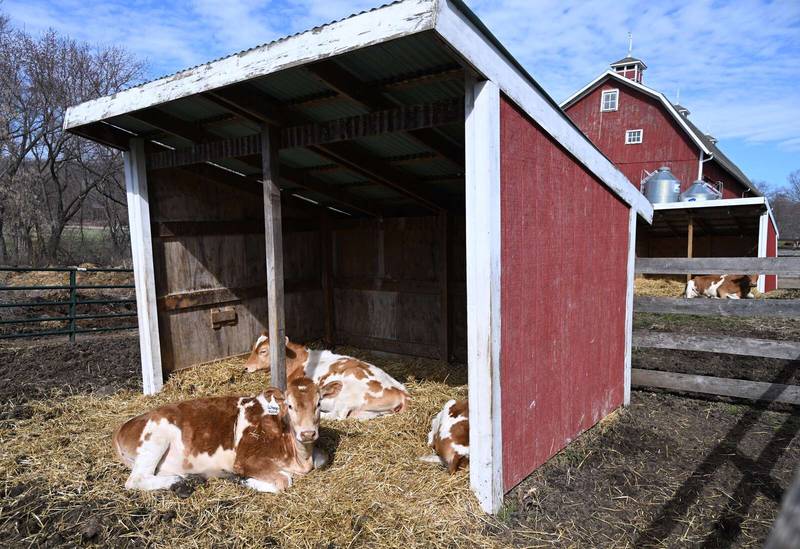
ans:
(615, 93)
(629, 134)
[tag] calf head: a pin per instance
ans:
(745, 284)
(259, 356)
(302, 399)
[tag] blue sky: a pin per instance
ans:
(736, 64)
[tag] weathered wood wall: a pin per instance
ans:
(387, 285)
(385, 280)
(564, 279)
(208, 248)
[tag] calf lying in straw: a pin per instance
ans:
(722, 286)
(449, 436)
(265, 440)
(367, 391)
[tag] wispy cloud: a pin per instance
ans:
(737, 64)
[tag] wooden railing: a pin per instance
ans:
(785, 350)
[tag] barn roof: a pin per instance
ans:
(628, 60)
(694, 133)
(377, 66)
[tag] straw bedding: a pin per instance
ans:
(64, 485)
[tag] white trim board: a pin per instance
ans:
(358, 31)
(455, 28)
(483, 241)
(626, 399)
(722, 203)
(143, 271)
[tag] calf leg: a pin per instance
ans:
(148, 457)
(271, 483)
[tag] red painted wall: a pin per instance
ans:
(771, 281)
(665, 143)
(563, 342)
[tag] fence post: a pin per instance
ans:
(73, 299)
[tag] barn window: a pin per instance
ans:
(633, 137)
(609, 100)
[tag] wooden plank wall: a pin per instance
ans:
(387, 293)
(208, 243)
(208, 247)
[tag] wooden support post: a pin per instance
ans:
(143, 271)
(689, 243)
(482, 187)
(444, 286)
(632, 220)
(326, 238)
(273, 238)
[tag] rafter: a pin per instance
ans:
(346, 84)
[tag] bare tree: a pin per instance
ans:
(46, 174)
(793, 186)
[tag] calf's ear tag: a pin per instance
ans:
(273, 408)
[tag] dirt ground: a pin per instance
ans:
(670, 470)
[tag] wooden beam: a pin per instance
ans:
(326, 249)
(371, 98)
(739, 388)
(105, 134)
(743, 346)
(274, 255)
(773, 308)
(786, 266)
(173, 229)
(143, 270)
(400, 119)
(444, 287)
(358, 160)
(251, 103)
(173, 125)
(200, 153)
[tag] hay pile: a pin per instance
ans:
(658, 287)
(58, 278)
(64, 484)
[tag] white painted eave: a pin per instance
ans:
(722, 203)
(358, 31)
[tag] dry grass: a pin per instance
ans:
(658, 287)
(57, 278)
(376, 492)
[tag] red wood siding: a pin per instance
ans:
(665, 143)
(771, 281)
(564, 256)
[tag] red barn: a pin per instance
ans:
(390, 181)
(640, 130)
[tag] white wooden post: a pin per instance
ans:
(482, 135)
(142, 254)
(273, 237)
(763, 233)
(632, 219)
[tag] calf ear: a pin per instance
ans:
(330, 390)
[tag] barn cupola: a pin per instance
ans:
(629, 66)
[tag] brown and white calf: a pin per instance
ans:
(265, 440)
(449, 436)
(722, 286)
(367, 391)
